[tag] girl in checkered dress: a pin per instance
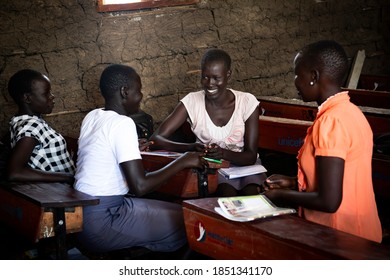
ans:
(39, 153)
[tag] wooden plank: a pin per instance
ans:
(283, 237)
(356, 69)
(52, 194)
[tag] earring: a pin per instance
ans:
(311, 83)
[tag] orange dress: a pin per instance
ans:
(341, 130)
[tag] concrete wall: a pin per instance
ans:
(71, 42)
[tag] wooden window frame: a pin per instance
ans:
(145, 4)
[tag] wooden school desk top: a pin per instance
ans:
(53, 195)
(281, 237)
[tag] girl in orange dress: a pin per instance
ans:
(334, 182)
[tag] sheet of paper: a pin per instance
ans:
(162, 153)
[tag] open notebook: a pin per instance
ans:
(249, 208)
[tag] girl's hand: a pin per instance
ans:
(144, 144)
(199, 147)
(278, 181)
(194, 160)
(214, 151)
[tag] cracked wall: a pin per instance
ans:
(72, 43)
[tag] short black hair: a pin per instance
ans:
(114, 77)
(216, 55)
(21, 83)
(329, 56)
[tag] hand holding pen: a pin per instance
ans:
(214, 151)
(199, 147)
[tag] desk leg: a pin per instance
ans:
(60, 233)
(203, 183)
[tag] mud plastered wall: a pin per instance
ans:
(72, 43)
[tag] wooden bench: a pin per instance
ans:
(38, 211)
(284, 237)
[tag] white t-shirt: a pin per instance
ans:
(230, 136)
(106, 140)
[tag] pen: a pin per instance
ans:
(213, 160)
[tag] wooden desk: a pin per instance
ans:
(42, 210)
(370, 98)
(282, 134)
(371, 82)
(273, 106)
(284, 237)
(188, 183)
(378, 118)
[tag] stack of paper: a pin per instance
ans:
(241, 171)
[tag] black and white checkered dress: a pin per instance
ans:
(50, 154)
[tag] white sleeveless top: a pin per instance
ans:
(230, 136)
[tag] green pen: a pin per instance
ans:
(213, 160)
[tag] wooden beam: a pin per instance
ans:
(356, 69)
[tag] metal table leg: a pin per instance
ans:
(203, 183)
(60, 232)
